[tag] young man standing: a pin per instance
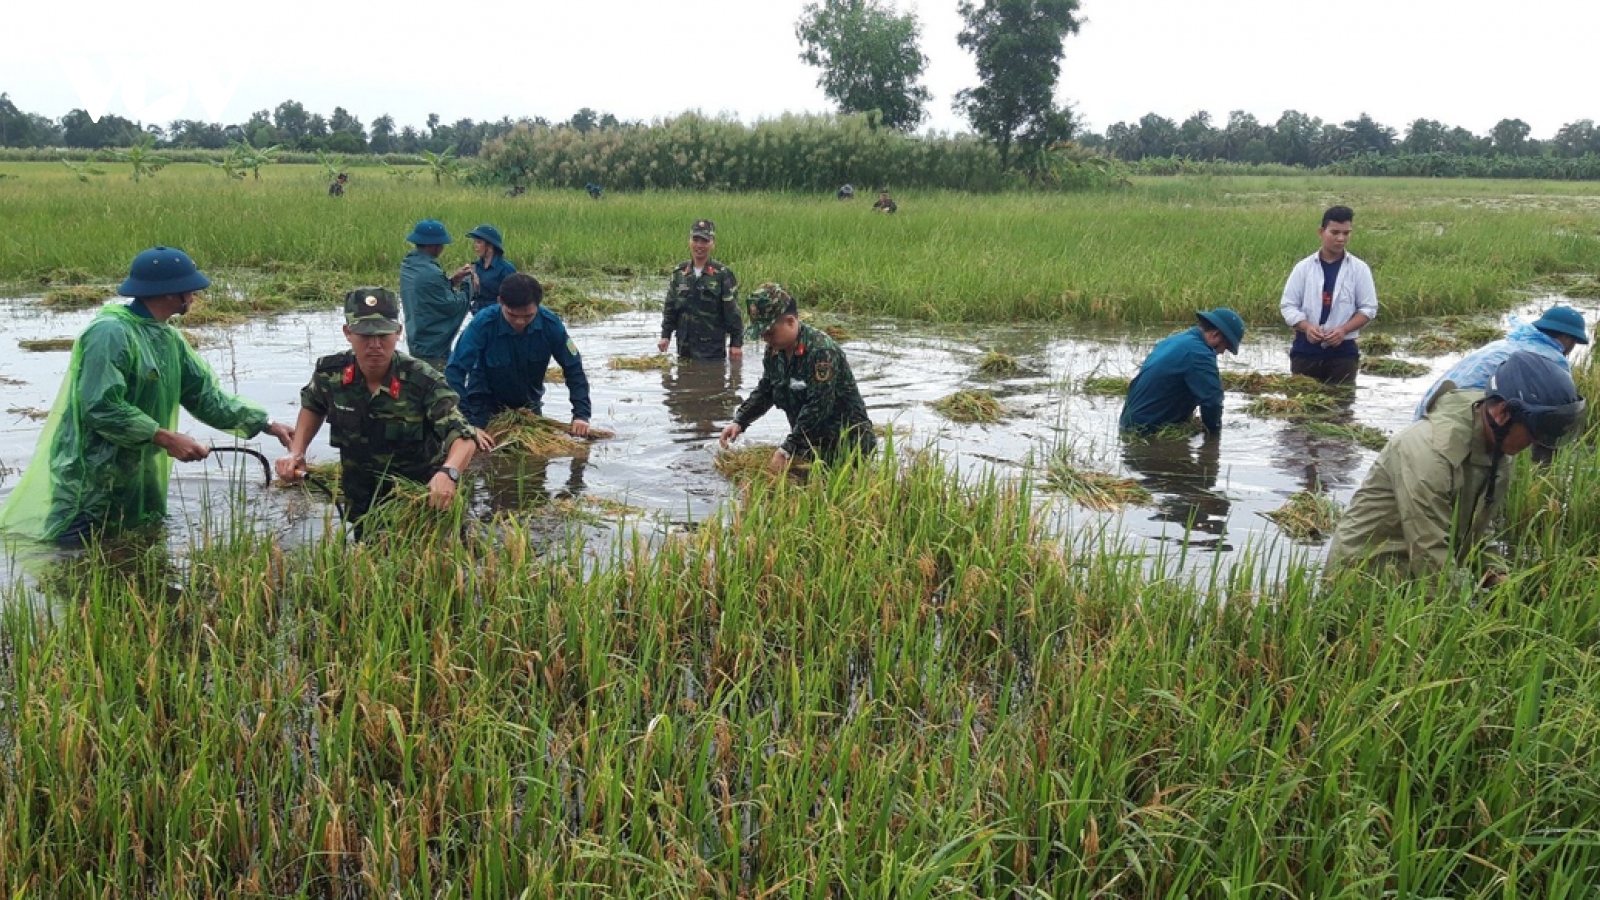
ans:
(1328, 298)
(391, 416)
(805, 374)
(500, 361)
(702, 305)
(105, 454)
(435, 303)
(1180, 374)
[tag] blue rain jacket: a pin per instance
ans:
(1473, 371)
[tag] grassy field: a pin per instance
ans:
(880, 683)
(1152, 252)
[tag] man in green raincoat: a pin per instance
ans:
(102, 461)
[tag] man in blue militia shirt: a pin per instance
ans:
(1181, 374)
(500, 359)
(1326, 300)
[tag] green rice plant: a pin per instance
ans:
(1377, 343)
(1390, 367)
(1365, 435)
(1246, 382)
(1478, 333)
(970, 406)
(648, 362)
(1307, 516)
(1105, 386)
(1435, 343)
(574, 304)
(46, 345)
(1296, 407)
(1088, 488)
(80, 296)
(999, 365)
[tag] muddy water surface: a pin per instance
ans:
(661, 461)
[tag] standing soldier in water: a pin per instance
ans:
(702, 305)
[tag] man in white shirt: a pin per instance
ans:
(1328, 298)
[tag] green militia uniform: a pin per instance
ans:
(816, 390)
(403, 430)
(704, 310)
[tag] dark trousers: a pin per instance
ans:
(1337, 370)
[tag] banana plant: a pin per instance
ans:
(143, 157)
(443, 164)
(253, 158)
(332, 163)
(82, 170)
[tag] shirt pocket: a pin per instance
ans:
(344, 426)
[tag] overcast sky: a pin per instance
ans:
(1465, 62)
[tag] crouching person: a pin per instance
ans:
(805, 374)
(391, 416)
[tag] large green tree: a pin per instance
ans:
(869, 56)
(1017, 45)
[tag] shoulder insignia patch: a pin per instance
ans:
(571, 347)
(823, 372)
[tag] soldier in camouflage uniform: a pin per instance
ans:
(702, 302)
(391, 415)
(805, 374)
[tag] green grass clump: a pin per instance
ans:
(1377, 343)
(650, 361)
(1307, 516)
(1105, 386)
(1435, 343)
(574, 304)
(970, 406)
(1389, 367)
(81, 296)
(1274, 383)
(1365, 435)
(1295, 407)
(46, 345)
(1095, 490)
(999, 365)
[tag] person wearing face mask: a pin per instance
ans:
(1426, 503)
(105, 454)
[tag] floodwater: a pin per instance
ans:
(1207, 495)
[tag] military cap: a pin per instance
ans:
(766, 305)
(703, 228)
(371, 310)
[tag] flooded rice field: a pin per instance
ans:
(1206, 496)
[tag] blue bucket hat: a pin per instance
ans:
(160, 271)
(489, 235)
(1226, 321)
(1563, 320)
(428, 231)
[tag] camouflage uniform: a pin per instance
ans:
(703, 309)
(404, 430)
(813, 386)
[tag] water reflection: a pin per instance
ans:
(701, 397)
(512, 484)
(1318, 464)
(1182, 476)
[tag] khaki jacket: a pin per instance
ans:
(1421, 510)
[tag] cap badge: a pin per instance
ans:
(371, 300)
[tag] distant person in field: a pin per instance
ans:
(516, 190)
(501, 359)
(1426, 503)
(1553, 335)
(337, 188)
(435, 303)
(490, 269)
(702, 305)
(805, 374)
(1327, 300)
(885, 204)
(847, 192)
(1180, 375)
(595, 190)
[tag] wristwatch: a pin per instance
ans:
(453, 473)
